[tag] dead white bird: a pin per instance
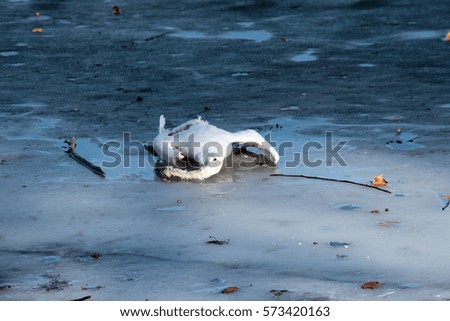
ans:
(196, 150)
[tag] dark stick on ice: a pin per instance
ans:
(156, 36)
(71, 144)
(446, 205)
(216, 241)
(334, 180)
(82, 299)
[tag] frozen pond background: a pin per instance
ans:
(296, 69)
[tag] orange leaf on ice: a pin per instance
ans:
(371, 285)
(37, 30)
(230, 289)
(278, 292)
(388, 223)
(447, 37)
(379, 181)
(445, 196)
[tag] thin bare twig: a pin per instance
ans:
(72, 144)
(156, 36)
(334, 180)
(446, 205)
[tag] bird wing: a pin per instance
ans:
(251, 138)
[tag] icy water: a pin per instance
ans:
(345, 91)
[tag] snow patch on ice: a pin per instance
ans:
(240, 74)
(251, 35)
(306, 56)
(420, 34)
(171, 209)
(293, 107)
(8, 53)
(246, 24)
(367, 65)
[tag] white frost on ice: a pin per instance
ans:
(8, 53)
(251, 35)
(306, 56)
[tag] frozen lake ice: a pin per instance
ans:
(286, 233)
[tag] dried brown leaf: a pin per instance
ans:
(116, 10)
(371, 285)
(230, 289)
(388, 223)
(379, 181)
(278, 292)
